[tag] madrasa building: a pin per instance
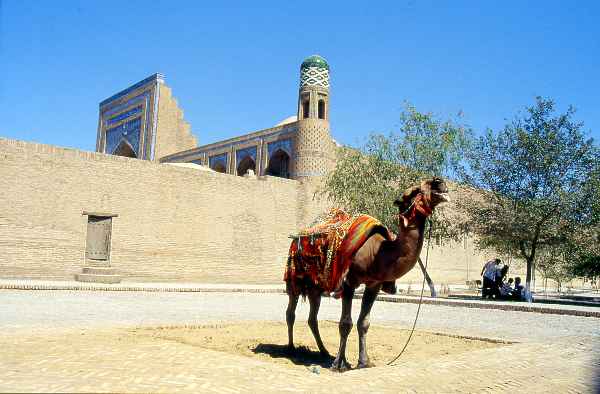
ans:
(144, 121)
(150, 205)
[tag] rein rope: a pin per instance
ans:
(420, 298)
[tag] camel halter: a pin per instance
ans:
(422, 290)
(420, 204)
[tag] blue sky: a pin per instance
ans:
(234, 66)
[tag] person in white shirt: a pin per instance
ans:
(506, 289)
(488, 272)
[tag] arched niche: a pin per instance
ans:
(219, 167)
(279, 164)
(246, 164)
(125, 149)
(321, 109)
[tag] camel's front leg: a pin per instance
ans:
(314, 298)
(290, 317)
(340, 364)
(363, 323)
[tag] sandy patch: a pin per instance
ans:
(267, 341)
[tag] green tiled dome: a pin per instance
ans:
(315, 61)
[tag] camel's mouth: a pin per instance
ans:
(444, 197)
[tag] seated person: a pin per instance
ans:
(499, 280)
(506, 289)
(519, 290)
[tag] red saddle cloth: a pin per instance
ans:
(321, 254)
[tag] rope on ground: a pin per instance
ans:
(420, 299)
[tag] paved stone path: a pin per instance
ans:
(44, 347)
(559, 309)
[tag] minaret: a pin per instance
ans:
(314, 150)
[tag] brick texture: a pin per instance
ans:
(174, 224)
(173, 131)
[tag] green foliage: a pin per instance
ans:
(430, 146)
(368, 180)
(553, 262)
(588, 266)
(536, 178)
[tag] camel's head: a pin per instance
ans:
(434, 190)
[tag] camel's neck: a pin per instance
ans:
(410, 236)
(407, 246)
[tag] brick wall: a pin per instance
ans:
(173, 131)
(174, 224)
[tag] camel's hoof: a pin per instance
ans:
(340, 366)
(291, 349)
(368, 364)
(324, 354)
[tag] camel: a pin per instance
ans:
(378, 262)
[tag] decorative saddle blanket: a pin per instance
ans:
(322, 253)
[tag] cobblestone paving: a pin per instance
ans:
(45, 347)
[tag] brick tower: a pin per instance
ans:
(314, 149)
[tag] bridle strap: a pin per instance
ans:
(420, 204)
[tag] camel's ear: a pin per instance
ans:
(404, 201)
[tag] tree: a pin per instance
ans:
(533, 183)
(369, 179)
(554, 263)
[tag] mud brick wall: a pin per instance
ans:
(173, 224)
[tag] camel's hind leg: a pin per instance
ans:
(314, 298)
(290, 317)
(340, 364)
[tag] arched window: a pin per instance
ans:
(279, 164)
(305, 109)
(246, 164)
(321, 109)
(125, 149)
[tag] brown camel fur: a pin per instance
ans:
(377, 262)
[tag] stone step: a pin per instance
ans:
(95, 278)
(99, 270)
(96, 263)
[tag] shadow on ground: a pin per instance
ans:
(301, 355)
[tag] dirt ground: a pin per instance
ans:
(267, 341)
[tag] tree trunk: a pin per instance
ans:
(529, 269)
(428, 279)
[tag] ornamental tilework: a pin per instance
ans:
(284, 145)
(314, 76)
(124, 115)
(151, 80)
(129, 131)
(214, 160)
(241, 154)
(134, 100)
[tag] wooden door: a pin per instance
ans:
(98, 238)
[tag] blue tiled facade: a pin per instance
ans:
(129, 131)
(135, 101)
(241, 154)
(124, 115)
(284, 145)
(150, 80)
(214, 160)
